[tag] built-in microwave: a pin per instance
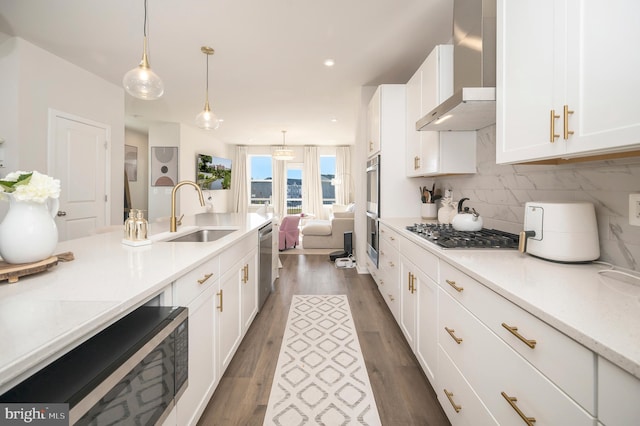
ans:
(373, 207)
(131, 373)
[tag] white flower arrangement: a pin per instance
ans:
(29, 186)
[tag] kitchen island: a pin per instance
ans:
(45, 315)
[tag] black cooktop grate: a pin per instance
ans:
(447, 237)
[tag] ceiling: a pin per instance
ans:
(267, 73)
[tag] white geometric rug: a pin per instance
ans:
(321, 378)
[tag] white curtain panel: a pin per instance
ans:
(279, 189)
(240, 181)
(344, 180)
(311, 183)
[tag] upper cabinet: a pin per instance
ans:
(567, 80)
(373, 123)
(432, 153)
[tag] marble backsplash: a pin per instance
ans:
(499, 192)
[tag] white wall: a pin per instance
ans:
(32, 82)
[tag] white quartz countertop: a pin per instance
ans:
(44, 315)
(601, 311)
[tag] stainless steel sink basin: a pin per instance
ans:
(203, 235)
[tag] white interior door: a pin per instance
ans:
(78, 151)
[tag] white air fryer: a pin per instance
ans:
(562, 232)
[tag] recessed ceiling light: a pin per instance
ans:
(329, 62)
(334, 120)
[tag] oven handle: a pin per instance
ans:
(81, 408)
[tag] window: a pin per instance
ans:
(294, 188)
(327, 174)
(261, 179)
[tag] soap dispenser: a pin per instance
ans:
(129, 225)
(141, 226)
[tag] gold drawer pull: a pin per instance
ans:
(567, 132)
(246, 273)
(391, 264)
(205, 278)
(391, 238)
(220, 300)
(514, 331)
(381, 253)
(553, 136)
(453, 404)
(381, 282)
(512, 402)
(391, 298)
(453, 284)
(453, 336)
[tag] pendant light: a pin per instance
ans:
(141, 82)
(282, 152)
(206, 119)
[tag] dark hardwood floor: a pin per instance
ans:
(402, 392)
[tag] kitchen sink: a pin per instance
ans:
(203, 236)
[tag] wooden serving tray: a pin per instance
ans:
(12, 272)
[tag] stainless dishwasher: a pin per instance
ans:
(265, 262)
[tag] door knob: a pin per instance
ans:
(61, 213)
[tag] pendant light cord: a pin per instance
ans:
(144, 29)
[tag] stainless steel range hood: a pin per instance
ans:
(473, 103)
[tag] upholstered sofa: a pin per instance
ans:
(327, 233)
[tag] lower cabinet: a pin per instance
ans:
(222, 297)
(618, 395)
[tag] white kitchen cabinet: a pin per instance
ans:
(460, 403)
(509, 386)
(433, 153)
(196, 290)
(389, 269)
(374, 123)
(228, 318)
(419, 304)
(249, 285)
(573, 64)
(203, 377)
(563, 360)
(618, 395)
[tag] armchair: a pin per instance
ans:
(327, 233)
(289, 232)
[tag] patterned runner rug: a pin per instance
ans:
(321, 378)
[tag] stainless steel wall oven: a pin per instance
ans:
(373, 207)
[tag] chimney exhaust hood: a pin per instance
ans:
(473, 104)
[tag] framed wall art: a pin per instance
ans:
(164, 165)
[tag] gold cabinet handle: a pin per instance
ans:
(391, 238)
(512, 402)
(409, 281)
(246, 273)
(391, 297)
(205, 278)
(514, 331)
(413, 284)
(381, 282)
(453, 404)
(553, 136)
(220, 300)
(391, 264)
(381, 253)
(370, 145)
(567, 112)
(453, 336)
(453, 284)
(416, 162)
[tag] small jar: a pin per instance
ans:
(130, 225)
(141, 226)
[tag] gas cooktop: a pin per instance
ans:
(447, 237)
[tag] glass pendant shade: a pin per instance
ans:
(207, 120)
(282, 152)
(141, 82)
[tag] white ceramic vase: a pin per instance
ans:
(28, 232)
